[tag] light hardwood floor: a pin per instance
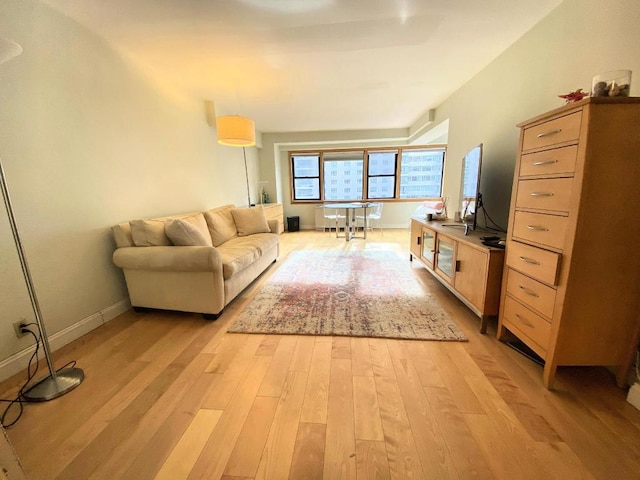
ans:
(171, 395)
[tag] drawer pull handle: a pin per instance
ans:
(525, 322)
(544, 162)
(541, 194)
(550, 132)
(528, 291)
(537, 228)
(529, 260)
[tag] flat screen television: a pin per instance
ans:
(470, 196)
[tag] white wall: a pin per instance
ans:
(88, 141)
(578, 40)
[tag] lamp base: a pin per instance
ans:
(49, 388)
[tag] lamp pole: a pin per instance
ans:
(246, 174)
(58, 382)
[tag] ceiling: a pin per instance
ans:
(309, 65)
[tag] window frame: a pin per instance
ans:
(365, 172)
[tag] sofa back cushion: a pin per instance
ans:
(149, 233)
(122, 235)
(222, 227)
(189, 231)
(250, 221)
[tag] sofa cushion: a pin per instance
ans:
(237, 254)
(263, 242)
(122, 235)
(149, 233)
(250, 221)
(189, 231)
(222, 228)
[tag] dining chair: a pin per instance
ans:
(331, 216)
(374, 214)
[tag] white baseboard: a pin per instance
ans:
(633, 397)
(19, 361)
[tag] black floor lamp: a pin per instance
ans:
(57, 383)
(236, 131)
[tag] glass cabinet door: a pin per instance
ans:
(445, 248)
(428, 246)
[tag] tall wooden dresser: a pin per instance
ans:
(571, 284)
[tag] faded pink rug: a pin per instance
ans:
(358, 294)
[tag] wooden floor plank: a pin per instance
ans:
(218, 449)
(380, 358)
(246, 454)
(341, 347)
(368, 425)
(226, 385)
(371, 460)
(157, 449)
(453, 378)
(429, 440)
(404, 461)
(465, 454)
(361, 357)
(308, 455)
(187, 451)
(340, 448)
(301, 360)
(277, 455)
(277, 374)
(143, 429)
(314, 409)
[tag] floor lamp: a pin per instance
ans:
(236, 131)
(58, 382)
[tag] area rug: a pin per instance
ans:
(359, 294)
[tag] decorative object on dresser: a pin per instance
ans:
(340, 293)
(471, 270)
(571, 285)
(616, 83)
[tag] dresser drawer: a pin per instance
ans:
(519, 318)
(533, 294)
(548, 230)
(535, 262)
(553, 132)
(549, 162)
(552, 194)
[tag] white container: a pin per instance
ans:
(616, 83)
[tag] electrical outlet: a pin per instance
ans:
(18, 329)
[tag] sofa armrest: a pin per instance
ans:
(274, 225)
(172, 258)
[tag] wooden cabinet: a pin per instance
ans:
(274, 211)
(571, 285)
(471, 270)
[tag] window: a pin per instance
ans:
(346, 168)
(381, 178)
(421, 173)
(401, 173)
(306, 177)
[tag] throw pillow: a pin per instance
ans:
(189, 231)
(148, 233)
(250, 220)
(222, 228)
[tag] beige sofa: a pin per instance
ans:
(195, 262)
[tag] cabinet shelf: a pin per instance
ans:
(470, 270)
